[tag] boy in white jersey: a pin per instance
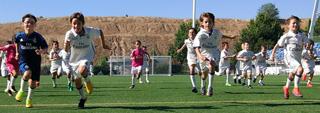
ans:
(308, 63)
(224, 64)
(5, 72)
(237, 77)
(56, 62)
(293, 42)
(191, 57)
(78, 41)
(146, 64)
(66, 68)
(261, 64)
(245, 57)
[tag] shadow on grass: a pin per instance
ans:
(159, 108)
(252, 92)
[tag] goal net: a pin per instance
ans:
(121, 65)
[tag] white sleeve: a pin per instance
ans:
(196, 41)
(240, 54)
(50, 54)
(68, 36)
(223, 54)
(281, 42)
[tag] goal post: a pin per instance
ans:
(121, 66)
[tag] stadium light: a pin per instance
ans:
(193, 13)
(313, 19)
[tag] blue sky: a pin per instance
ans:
(12, 10)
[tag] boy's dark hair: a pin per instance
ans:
(207, 15)
(78, 16)
(9, 42)
(138, 41)
(54, 41)
(224, 44)
(293, 17)
(144, 47)
(263, 46)
(194, 29)
(29, 16)
(310, 41)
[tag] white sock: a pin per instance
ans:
(192, 80)
(91, 69)
(288, 83)
(296, 81)
(29, 93)
(147, 76)
(8, 84)
(227, 74)
(22, 86)
(260, 81)
(132, 80)
(12, 81)
(210, 81)
(81, 92)
(308, 81)
(203, 83)
(249, 82)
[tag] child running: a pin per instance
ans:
(245, 57)
(30, 45)
(308, 63)
(293, 42)
(261, 65)
(191, 57)
(78, 41)
(224, 63)
(136, 62)
(56, 62)
(146, 64)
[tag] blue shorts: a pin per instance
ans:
(33, 66)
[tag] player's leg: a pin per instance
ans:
(133, 76)
(309, 83)
(147, 74)
(14, 76)
(83, 70)
(7, 90)
(192, 77)
(211, 73)
(249, 76)
(227, 71)
(296, 90)
(91, 69)
(261, 82)
(79, 86)
(53, 70)
(258, 73)
(25, 69)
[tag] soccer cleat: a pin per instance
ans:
(19, 96)
(131, 87)
(296, 92)
(235, 81)
(89, 87)
(243, 84)
(304, 77)
(147, 81)
(81, 103)
(13, 89)
(70, 87)
(54, 85)
(194, 90)
(254, 80)
(203, 91)
(28, 103)
(210, 92)
(261, 83)
(250, 87)
(309, 85)
(285, 92)
(6, 90)
(227, 84)
(239, 81)
(140, 81)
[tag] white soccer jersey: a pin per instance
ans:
(81, 46)
(247, 55)
(261, 59)
(208, 43)
(191, 53)
(224, 62)
(293, 45)
(308, 59)
(58, 61)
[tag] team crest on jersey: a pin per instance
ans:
(21, 40)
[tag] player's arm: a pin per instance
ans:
(241, 58)
(103, 42)
(183, 46)
(201, 57)
(17, 50)
(274, 51)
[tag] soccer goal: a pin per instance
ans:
(121, 65)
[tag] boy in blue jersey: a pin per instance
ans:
(30, 45)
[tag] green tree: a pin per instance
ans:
(265, 29)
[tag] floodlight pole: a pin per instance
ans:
(193, 13)
(313, 19)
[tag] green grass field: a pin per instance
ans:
(165, 94)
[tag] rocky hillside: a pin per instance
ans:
(120, 32)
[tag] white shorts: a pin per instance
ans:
(261, 69)
(246, 69)
(56, 68)
(4, 71)
(146, 67)
(136, 70)
(74, 68)
(66, 68)
(308, 67)
(292, 63)
(191, 61)
(223, 70)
